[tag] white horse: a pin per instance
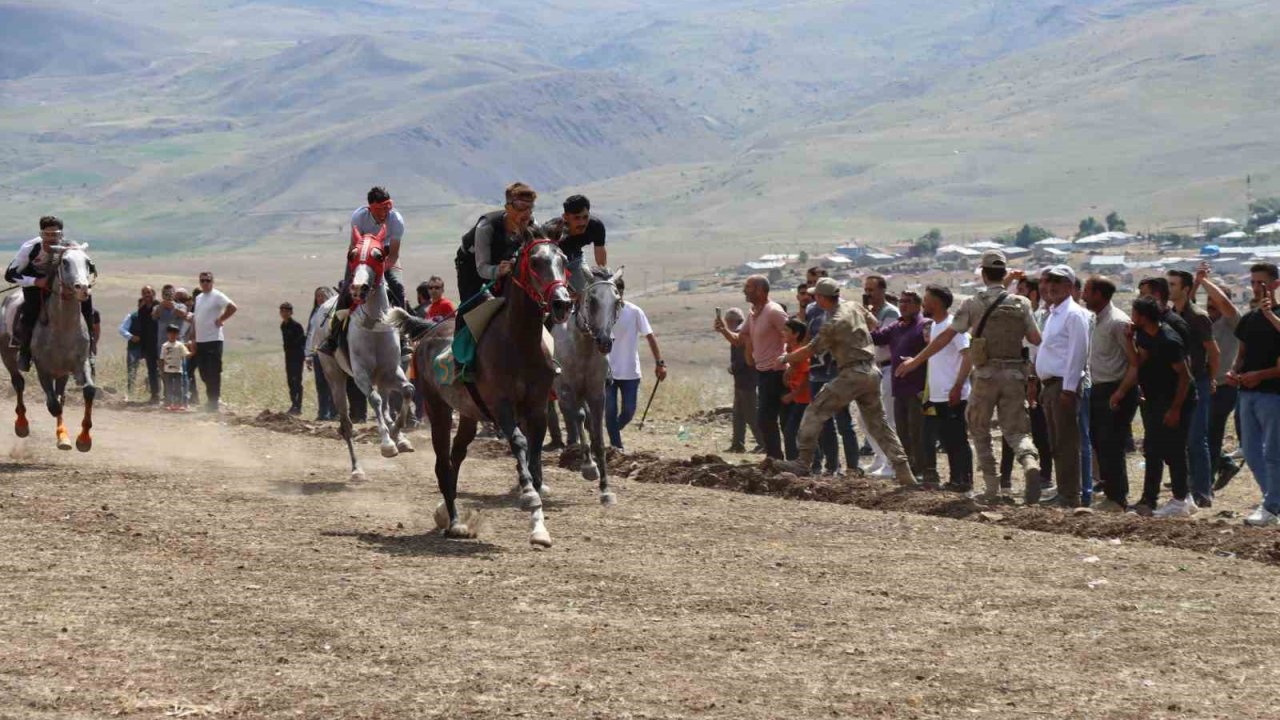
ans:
(59, 342)
(372, 355)
(582, 349)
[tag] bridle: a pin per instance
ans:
(580, 319)
(68, 288)
(368, 249)
(526, 281)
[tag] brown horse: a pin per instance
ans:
(513, 378)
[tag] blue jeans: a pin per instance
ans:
(1260, 438)
(1199, 464)
(795, 413)
(1086, 447)
(615, 420)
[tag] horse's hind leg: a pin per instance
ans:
(529, 498)
(84, 441)
(21, 427)
(405, 395)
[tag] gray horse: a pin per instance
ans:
(582, 349)
(59, 343)
(372, 356)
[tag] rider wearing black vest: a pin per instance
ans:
(28, 271)
(489, 249)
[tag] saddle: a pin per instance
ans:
(456, 362)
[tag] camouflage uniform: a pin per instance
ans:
(1000, 385)
(846, 337)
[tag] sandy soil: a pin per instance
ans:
(187, 568)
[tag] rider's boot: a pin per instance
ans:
(24, 349)
(330, 344)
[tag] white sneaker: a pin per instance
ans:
(1176, 508)
(1261, 517)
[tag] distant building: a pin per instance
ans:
(1110, 264)
(760, 267)
(1218, 225)
(835, 261)
(852, 252)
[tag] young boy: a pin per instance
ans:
(172, 355)
(797, 379)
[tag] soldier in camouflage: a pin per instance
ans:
(846, 337)
(998, 322)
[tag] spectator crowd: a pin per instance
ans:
(1049, 359)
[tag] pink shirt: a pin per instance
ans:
(765, 330)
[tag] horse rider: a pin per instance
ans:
(574, 231)
(367, 220)
(29, 270)
(846, 336)
(489, 249)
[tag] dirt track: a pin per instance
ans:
(185, 567)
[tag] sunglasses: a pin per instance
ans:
(205, 280)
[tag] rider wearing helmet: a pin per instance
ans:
(366, 221)
(29, 270)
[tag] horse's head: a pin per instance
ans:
(366, 261)
(599, 306)
(74, 270)
(541, 274)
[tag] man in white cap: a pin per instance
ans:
(846, 337)
(1060, 365)
(997, 322)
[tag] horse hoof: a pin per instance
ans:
(358, 475)
(544, 492)
(590, 473)
(608, 499)
(389, 451)
(21, 428)
(530, 500)
(459, 531)
(540, 539)
(84, 443)
(404, 446)
(64, 442)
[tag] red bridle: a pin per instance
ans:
(525, 279)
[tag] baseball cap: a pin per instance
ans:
(993, 259)
(827, 287)
(1061, 271)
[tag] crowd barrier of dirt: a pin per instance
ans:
(1208, 534)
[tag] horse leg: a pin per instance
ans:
(587, 465)
(53, 394)
(536, 425)
(402, 419)
(84, 441)
(595, 418)
(529, 499)
(440, 415)
(379, 407)
(21, 427)
(338, 393)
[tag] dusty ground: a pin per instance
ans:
(186, 567)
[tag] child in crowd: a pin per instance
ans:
(798, 395)
(172, 355)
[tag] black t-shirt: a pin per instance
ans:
(1164, 349)
(573, 244)
(1260, 348)
(1200, 331)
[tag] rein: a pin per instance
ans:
(524, 276)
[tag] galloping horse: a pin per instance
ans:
(372, 356)
(59, 343)
(513, 381)
(582, 349)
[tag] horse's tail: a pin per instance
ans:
(401, 320)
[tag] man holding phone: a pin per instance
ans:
(1257, 376)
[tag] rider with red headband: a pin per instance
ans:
(370, 220)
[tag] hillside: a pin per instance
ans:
(197, 122)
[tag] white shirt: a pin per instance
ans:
(624, 358)
(30, 256)
(209, 307)
(1064, 345)
(945, 365)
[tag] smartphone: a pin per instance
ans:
(719, 316)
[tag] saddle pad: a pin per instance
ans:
(446, 372)
(478, 318)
